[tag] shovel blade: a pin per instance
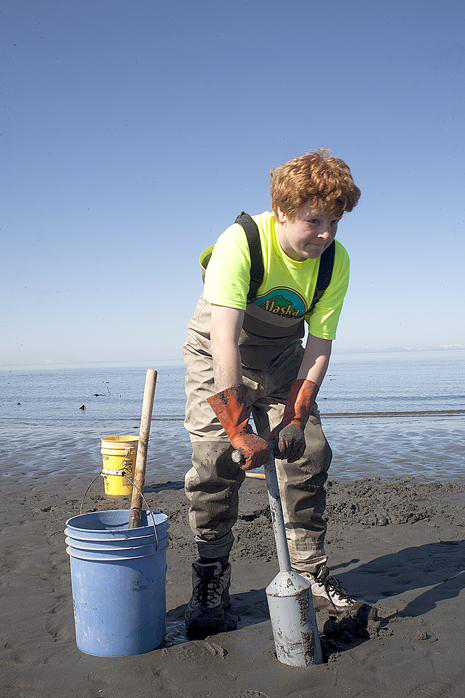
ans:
(293, 620)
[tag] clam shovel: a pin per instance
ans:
(289, 597)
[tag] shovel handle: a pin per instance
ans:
(141, 458)
(274, 499)
(238, 457)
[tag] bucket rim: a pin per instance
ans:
(116, 440)
(91, 547)
(112, 531)
(117, 538)
(73, 553)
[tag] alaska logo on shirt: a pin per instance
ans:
(284, 302)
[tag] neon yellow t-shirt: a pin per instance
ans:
(287, 289)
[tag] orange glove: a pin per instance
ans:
(231, 409)
(289, 434)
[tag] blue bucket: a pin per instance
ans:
(118, 581)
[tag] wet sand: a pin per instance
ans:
(399, 545)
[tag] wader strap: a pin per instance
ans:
(255, 247)
(325, 272)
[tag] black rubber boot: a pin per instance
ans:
(205, 612)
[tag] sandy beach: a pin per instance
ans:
(398, 545)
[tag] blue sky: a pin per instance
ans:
(134, 132)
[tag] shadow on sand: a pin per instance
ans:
(438, 566)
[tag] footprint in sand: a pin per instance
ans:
(57, 627)
(200, 649)
(57, 633)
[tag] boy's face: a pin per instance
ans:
(308, 234)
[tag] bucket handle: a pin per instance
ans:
(149, 511)
(86, 492)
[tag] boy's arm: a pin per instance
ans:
(290, 433)
(315, 361)
(225, 328)
(230, 402)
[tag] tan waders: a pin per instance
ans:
(270, 365)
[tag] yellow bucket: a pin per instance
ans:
(119, 458)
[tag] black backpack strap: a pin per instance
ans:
(256, 258)
(325, 272)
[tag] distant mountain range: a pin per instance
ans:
(384, 350)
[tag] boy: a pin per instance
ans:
(244, 355)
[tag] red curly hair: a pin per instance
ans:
(317, 179)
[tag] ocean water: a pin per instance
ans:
(386, 415)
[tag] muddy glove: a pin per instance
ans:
(231, 409)
(289, 434)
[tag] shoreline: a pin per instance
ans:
(398, 545)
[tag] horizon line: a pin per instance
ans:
(174, 362)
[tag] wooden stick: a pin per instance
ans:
(258, 476)
(141, 459)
